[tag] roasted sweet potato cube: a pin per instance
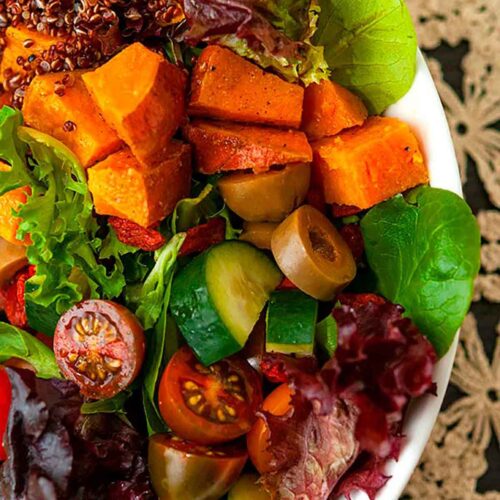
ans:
(220, 147)
(9, 202)
(123, 187)
(366, 165)
(20, 42)
(67, 112)
(228, 87)
(330, 108)
(142, 96)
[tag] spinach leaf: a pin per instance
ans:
(327, 335)
(425, 256)
(370, 47)
(16, 343)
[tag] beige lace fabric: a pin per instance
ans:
(462, 458)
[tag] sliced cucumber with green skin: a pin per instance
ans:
(291, 322)
(218, 297)
(41, 319)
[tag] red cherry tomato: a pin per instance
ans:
(277, 403)
(100, 346)
(5, 401)
(180, 469)
(209, 405)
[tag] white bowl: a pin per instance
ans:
(422, 109)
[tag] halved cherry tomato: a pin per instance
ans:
(100, 346)
(248, 487)
(5, 401)
(277, 403)
(209, 405)
(180, 469)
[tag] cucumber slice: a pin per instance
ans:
(291, 322)
(218, 297)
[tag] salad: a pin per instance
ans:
(224, 273)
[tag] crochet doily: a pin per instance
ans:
(461, 39)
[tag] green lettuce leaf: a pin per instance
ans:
(150, 301)
(289, 16)
(16, 343)
(274, 35)
(13, 151)
(425, 253)
(189, 212)
(370, 47)
(151, 297)
(57, 216)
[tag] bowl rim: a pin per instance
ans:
(421, 107)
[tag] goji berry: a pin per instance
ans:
(132, 234)
(354, 238)
(203, 236)
(286, 284)
(12, 298)
(344, 210)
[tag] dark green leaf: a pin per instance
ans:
(425, 256)
(115, 404)
(16, 343)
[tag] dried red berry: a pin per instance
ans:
(354, 238)
(344, 210)
(286, 284)
(12, 298)
(132, 234)
(203, 236)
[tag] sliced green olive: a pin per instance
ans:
(248, 488)
(259, 233)
(270, 196)
(13, 260)
(312, 254)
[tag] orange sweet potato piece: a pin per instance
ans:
(142, 96)
(123, 187)
(69, 115)
(330, 108)
(22, 42)
(11, 201)
(228, 87)
(220, 147)
(366, 165)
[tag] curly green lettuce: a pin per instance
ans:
(58, 217)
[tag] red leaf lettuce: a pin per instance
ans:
(345, 419)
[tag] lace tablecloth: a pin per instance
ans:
(461, 39)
